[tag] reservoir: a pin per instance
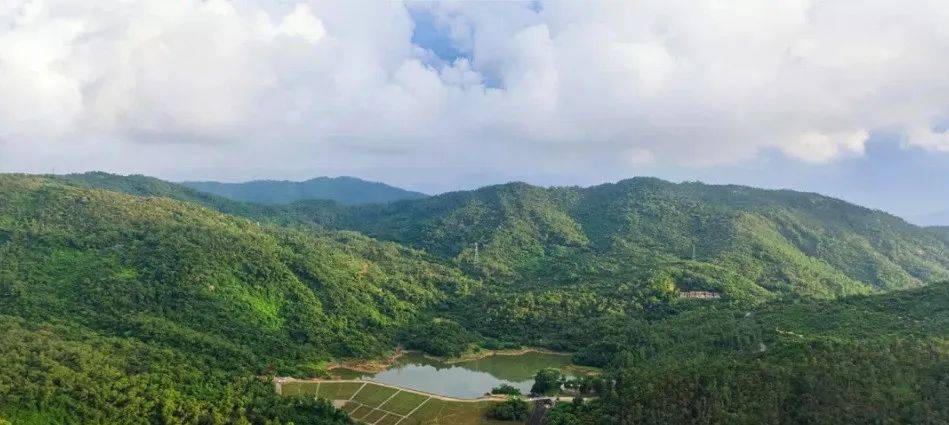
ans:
(464, 379)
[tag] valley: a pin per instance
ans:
(465, 379)
(131, 298)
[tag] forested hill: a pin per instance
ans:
(941, 232)
(712, 237)
(882, 358)
(345, 190)
(742, 241)
(118, 308)
(140, 185)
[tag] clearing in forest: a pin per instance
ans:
(376, 404)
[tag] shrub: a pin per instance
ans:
(505, 389)
(512, 409)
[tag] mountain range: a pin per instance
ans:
(131, 299)
(345, 190)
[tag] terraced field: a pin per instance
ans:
(376, 404)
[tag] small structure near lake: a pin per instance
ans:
(702, 295)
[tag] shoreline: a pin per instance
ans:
(381, 365)
(488, 353)
(367, 366)
(280, 380)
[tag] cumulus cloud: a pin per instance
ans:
(220, 89)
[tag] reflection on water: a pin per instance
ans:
(468, 379)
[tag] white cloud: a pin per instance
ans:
(302, 23)
(819, 147)
(929, 139)
(232, 89)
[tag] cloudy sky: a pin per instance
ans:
(848, 98)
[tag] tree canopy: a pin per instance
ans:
(130, 299)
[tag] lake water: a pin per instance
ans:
(467, 379)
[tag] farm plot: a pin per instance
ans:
(375, 404)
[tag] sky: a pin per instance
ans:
(846, 98)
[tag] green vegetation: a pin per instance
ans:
(505, 389)
(512, 409)
(327, 390)
(403, 403)
(163, 304)
(862, 359)
(564, 265)
(586, 385)
(737, 240)
(139, 185)
(374, 395)
(185, 286)
(573, 413)
(371, 403)
(66, 374)
(439, 337)
(345, 190)
(456, 413)
(547, 381)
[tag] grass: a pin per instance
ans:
(361, 412)
(374, 395)
(450, 412)
(351, 407)
(389, 419)
(381, 405)
(327, 390)
(403, 402)
(373, 416)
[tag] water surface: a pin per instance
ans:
(467, 379)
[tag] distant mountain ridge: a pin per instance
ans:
(345, 190)
(738, 240)
(776, 240)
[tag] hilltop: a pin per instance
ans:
(724, 238)
(345, 190)
(739, 240)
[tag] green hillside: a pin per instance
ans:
(940, 232)
(139, 185)
(345, 190)
(741, 241)
(563, 259)
(767, 241)
(138, 305)
(864, 359)
(109, 275)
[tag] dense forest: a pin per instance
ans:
(772, 241)
(880, 358)
(84, 271)
(131, 297)
(742, 241)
